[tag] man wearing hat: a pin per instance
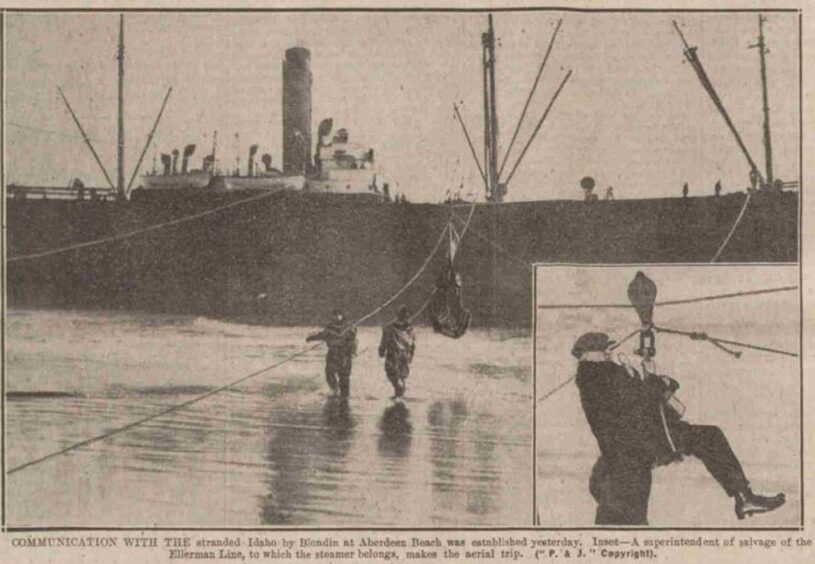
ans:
(636, 429)
(397, 347)
(341, 339)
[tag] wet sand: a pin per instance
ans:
(275, 451)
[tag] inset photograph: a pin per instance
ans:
(668, 396)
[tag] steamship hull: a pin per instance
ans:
(291, 257)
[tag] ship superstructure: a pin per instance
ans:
(339, 166)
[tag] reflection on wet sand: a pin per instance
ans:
(272, 451)
(160, 448)
(396, 429)
(306, 456)
(444, 420)
(463, 458)
(481, 498)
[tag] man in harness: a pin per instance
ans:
(638, 425)
(397, 347)
(341, 339)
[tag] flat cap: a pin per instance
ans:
(589, 342)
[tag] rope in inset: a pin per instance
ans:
(693, 335)
(563, 384)
(674, 302)
(135, 232)
(697, 336)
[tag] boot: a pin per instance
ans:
(748, 503)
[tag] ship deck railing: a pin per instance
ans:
(15, 192)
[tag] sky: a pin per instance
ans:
(770, 319)
(633, 114)
(567, 284)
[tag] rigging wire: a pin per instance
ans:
(529, 97)
(563, 384)
(140, 231)
(484, 238)
(674, 302)
(43, 130)
(697, 336)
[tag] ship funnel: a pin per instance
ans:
(188, 151)
(175, 161)
(166, 162)
(267, 161)
(297, 111)
(252, 152)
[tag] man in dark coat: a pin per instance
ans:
(631, 417)
(397, 346)
(341, 339)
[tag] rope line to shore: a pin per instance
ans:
(732, 229)
(418, 273)
(484, 238)
(167, 411)
(240, 380)
(128, 234)
(674, 302)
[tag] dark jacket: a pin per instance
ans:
(341, 340)
(398, 341)
(623, 412)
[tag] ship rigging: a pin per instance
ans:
(766, 181)
(491, 173)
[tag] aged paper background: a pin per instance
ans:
(168, 539)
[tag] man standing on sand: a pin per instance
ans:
(397, 347)
(631, 417)
(341, 339)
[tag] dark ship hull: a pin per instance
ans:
(290, 257)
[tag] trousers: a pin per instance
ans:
(397, 370)
(621, 483)
(709, 444)
(338, 376)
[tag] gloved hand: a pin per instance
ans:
(670, 384)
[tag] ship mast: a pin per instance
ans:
(491, 173)
(214, 148)
(768, 149)
(490, 117)
(693, 58)
(120, 180)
